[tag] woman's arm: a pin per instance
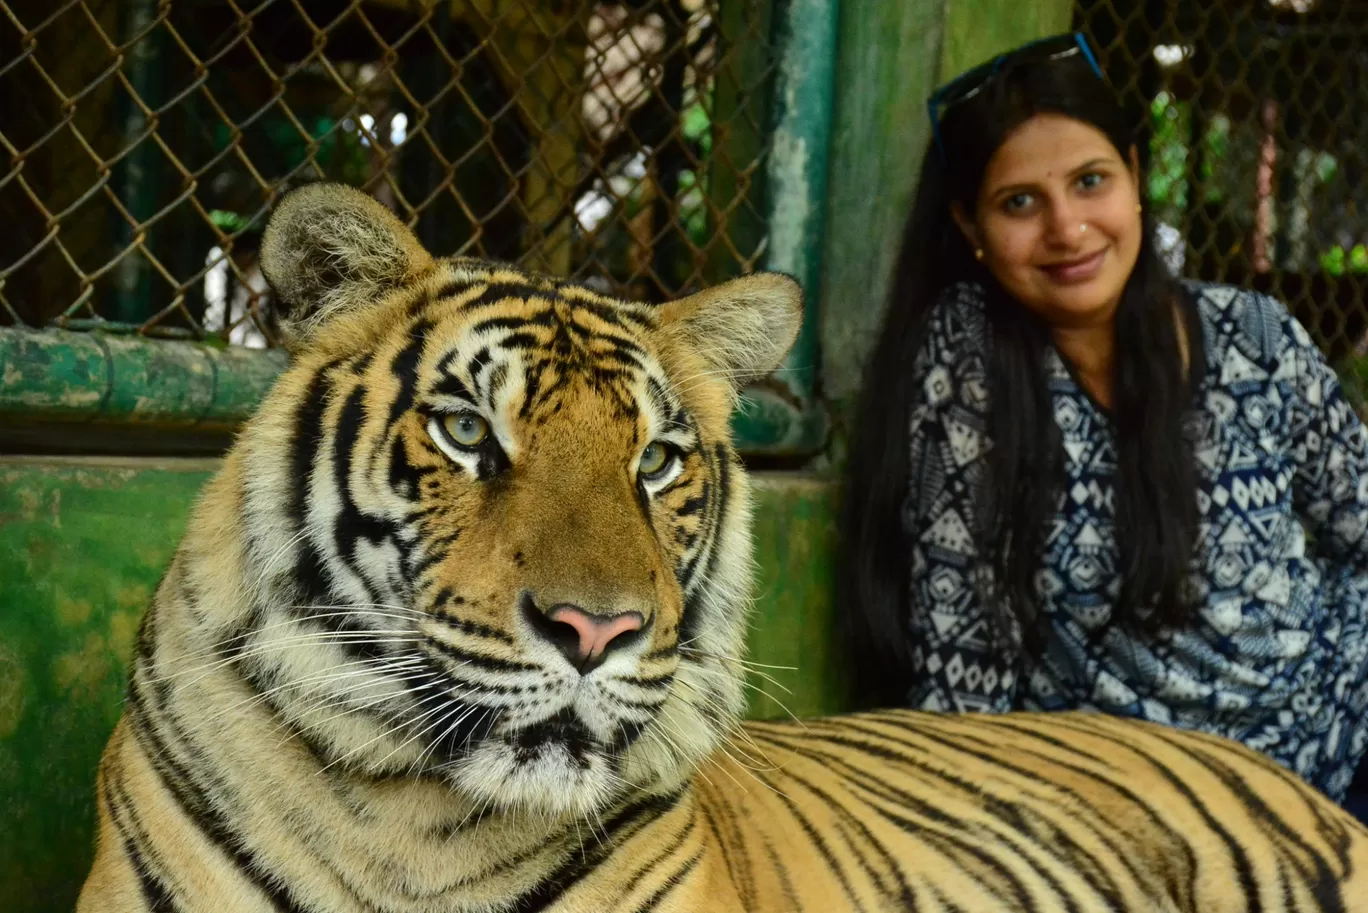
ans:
(957, 661)
(1329, 452)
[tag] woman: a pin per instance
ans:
(1081, 483)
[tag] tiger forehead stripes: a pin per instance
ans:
(459, 627)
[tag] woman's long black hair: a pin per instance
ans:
(1156, 512)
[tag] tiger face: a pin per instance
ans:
(496, 531)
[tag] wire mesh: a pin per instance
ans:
(622, 144)
(1259, 145)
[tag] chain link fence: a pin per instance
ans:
(1259, 152)
(622, 144)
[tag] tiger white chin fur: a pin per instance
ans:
(459, 627)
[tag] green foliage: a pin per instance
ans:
(1170, 125)
(1337, 263)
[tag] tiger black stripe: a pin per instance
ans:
(616, 832)
(308, 440)
(1097, 833)
(1243, 867)
(1176, 839)
(498, 377)
(816, 839)
(405, 479)
(474, 367)
(194, 802)
(671, 884)
(473, 629)
(498, 292)
(738, 862)
(689, 626)
(542, 318)
(520, 341)
(417, 570)
(351, 524)
(466, 658)
(404, 370)
(671, 847)
(156, 894)
(903, 892)
(1109, 889)
(309, 575)
(1320, 873)
(786, 883)
(952, 844)
(617, 316)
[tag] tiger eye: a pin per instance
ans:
(653, 459)
(466, 428)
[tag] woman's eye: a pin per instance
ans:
(466, 428)
(654, 459)
(1017, 202)
(1091, 181)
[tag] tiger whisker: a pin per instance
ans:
(315, 679)
(351, 699)
(280, 644)
(387, 733)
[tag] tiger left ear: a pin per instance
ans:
(742, 328)
(329, 250)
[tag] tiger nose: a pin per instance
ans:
(585, 639)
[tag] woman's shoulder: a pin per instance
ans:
(1255, 324)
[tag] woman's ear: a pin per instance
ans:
(1135, 167)
(966, 224)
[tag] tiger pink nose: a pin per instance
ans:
(586, 639)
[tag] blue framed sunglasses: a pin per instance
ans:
(972, 82)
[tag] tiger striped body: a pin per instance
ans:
(459, 626)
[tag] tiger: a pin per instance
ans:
(460, 625)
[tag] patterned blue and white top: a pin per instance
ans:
(1278, 655)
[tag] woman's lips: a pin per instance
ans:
(1071, 272)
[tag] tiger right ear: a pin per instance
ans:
(329, 249)
(743, 328)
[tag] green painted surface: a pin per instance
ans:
(977, 29)
(84, 542)
(799, 667)
(83, 546)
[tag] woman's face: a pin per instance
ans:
(1058, 220)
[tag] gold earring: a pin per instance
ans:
(1139, 207)
(978, 253)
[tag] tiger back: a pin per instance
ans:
(460, 625)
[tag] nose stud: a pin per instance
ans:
(1082, 228)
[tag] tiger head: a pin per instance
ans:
(495, 528)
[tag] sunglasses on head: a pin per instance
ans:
(972, 82)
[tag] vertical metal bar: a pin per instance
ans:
(796, 172)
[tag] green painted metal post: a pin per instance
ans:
(800, 147)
